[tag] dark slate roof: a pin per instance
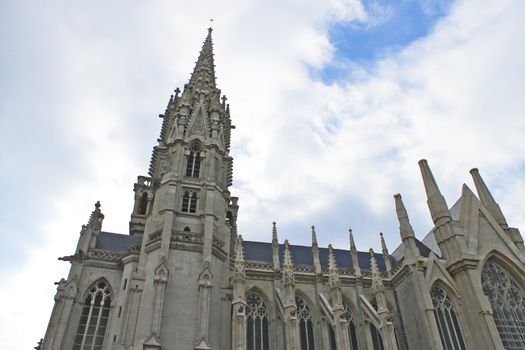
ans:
(262, 251)
(423, 249)
(116, 242)
(398, 253)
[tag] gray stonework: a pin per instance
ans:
(183, 277)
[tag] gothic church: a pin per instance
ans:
(184, 279)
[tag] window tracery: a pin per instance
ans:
(304, 316)
(94, 318)
(257, 323)
(507, 299)
(447, 321)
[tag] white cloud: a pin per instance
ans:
(92, 77)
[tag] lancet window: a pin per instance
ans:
(349, 317)
(94, 318)
(507, 298)
(257, 323)
(193, 165)
(447, 321)
(189, 202)
(304, 316)
(331, 333)
(377, 340)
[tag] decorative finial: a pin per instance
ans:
(287, 255)
(383, 243)
(377, 283)
(210, 29)
(97, 204)
(274, 232)
(351, 238)
(314, 237)
(332, 269)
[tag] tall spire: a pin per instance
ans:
(436, 202)
(203, 76)
(486, 198)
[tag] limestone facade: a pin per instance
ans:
(183, 278)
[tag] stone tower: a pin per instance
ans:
(186, 216)
(172, 273)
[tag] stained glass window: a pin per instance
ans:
(257, 323)
(507, 299)
(94, 318)
(447, 321)
(305, 324)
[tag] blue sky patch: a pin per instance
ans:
(389, 27)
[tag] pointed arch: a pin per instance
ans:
(447, 320)
(349, 316)
(257, 320)
(91, 329)
(502, 283)
(305, 320)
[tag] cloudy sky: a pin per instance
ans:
(334, 101)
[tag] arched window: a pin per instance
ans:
(333, 342)
(349, 317)
(305, 324)
(447, 321)
(257, 323)
(507, 299)
(377, 340)
(193, 165)
(94, 318)
(189, 202)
